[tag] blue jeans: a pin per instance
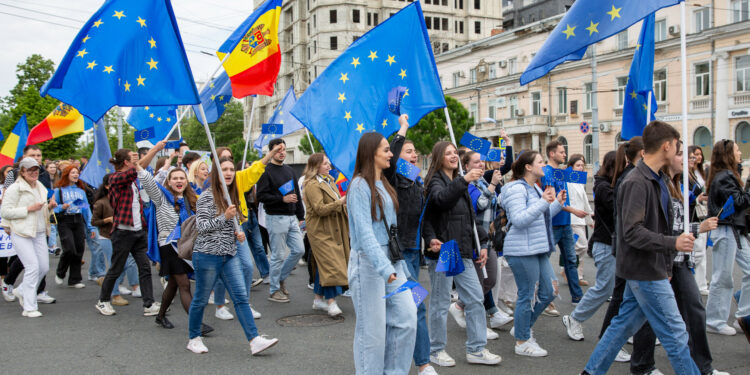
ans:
(564, 239)
(470, 292)
(646, 300)
(725, 254)
(422, 347)
(252, 232)
(385, 329)
(208, 268)
(528, 271)
(131, 270)
(52, 239)
(605, 283)
(283, 233)
(243, 252)
(98, 264)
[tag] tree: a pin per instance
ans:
(304, 145)
(433, 128)
(227, 131)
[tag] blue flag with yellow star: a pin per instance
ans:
(350, 97)
(214, 97)
(98, 164)
(587, 22)
(281, 115)
(640, 84)
(152, 123)
(129, 53)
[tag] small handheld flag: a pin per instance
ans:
(450, 260)
(287, 188)
(407, 169)
(272, 129)
(281, 115)
(575, 177)
(144, 134)
(159, 120)
(418, 293)
(475, 143)
(174, 145)
(81, 203)
(503, 144)
(495, 155)
(13, 147)
(728, 209)
(394, 99)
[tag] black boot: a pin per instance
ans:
(164, 322)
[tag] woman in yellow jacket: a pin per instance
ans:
(328, 232)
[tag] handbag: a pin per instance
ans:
(188, 234)
(394, 245)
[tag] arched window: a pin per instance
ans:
(564, 142)
(742, 138)
(703, 139)
(588, 148)
(619, 141)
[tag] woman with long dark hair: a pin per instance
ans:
(73, 216)
(450, 216)
(730, 241)
(698, 178)
(214, 257)
(386, 329)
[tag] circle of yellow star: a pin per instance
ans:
(342, 97)
(141, 81)
(403, 73)
(614, 13)
(391, 60)
(373, 55)
(633, 94)
(85, 39)
(360, 128)
(152, 64)
(98, 23)
(141, 21)
(355, 62)
(344, 77)
(348, 116)
(108, 69)
(82, 53)
(91, 65)
(127, 86)
(151, 115)
(385, 122)
(152, 42)
(570, 31)
(593, 28)
(119, 14)
(158, 119)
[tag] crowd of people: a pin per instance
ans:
(217, 224)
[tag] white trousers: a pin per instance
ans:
(34, 255)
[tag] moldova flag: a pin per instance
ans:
(13, 147)
(62, 121)
(254, 56)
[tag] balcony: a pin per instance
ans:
(702, 104)
(740, 99)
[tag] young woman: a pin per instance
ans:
(450, 216)
(73, 217)
(25, 212)
(51, 168)
(580, 200)
(328, 231)
(198, 176)
(214, 257)
(386, 329)
(528, 245)
(174, 203)
(730, 242)
(698, 178)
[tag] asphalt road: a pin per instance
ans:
(73, 338)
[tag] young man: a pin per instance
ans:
(561, 228)
(645, 252)
(285, 215)
(128, 236)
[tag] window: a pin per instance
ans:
(660, 85)
(445, 2)
(588, 88)
(333, 16)
(290, 15)
(477, 4)
(743, 73)
(315, 48)
(375, 18)
(308, 29)
(512, 66)
(308, 53)
(436, 25)
(460, 4)
(536, 103)
(445, 47)
(445, 24)
(622, 40)
(562, 100)
(513, 106)
(702, 138)
(461, 27)
(456, 78)
(477, 27)
(334, 43)
(491, 109)
(473, 112)
(660, 30)
(354, 38)
(740, 10)
(741, 138)
(428, 22)
(315, 20)
(493, 71)
(355, 15)
(702, 19)
(472, 75)
(702, 79)
(622, 82)
(588, 148)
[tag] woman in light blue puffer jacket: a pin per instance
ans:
(528, 245)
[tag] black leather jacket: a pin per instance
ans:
(410, 200)
(722, 187)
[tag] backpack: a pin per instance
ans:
(188, 234)
(499, 229)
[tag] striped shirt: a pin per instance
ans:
(215, 233)
(166, 216)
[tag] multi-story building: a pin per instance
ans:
(312, 33)
(517, 13)
(484, 77)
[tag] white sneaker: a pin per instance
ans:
(31, 314)
(261, 343)
(78, 286)
(458, 315)
(319, 304)
(256, 314)
(7, 291)
(334, 310)
(19, 296)
(348, 294)
(492, 335)
(622, 356)
(137, 292)
(223, 313)
(499, 319)
(301, 262)
(442, 359)
(654, 372)
(530, 349)
(211, 298)
(704, 292)
(736, 325)
(573, 327)
(196, 346)
(105, 308)
(454, 295)
(429, 370)
(311, 286)
(124, 290)
(504, 308)
(58, 280)
(267, 280)
(512, 332)
(723, 330)
(717, 372)
(630, 340)
(152, 310)
(483, 357)
(44, 297)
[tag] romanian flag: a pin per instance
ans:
(63, 120)
(13, 147)
(254, 56)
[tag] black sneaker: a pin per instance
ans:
(164, 322)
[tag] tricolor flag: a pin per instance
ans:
(13, 147)
(62, 121)
(254, 56)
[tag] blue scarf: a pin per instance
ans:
(153, 230)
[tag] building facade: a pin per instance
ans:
(517, 13)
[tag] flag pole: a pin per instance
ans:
(310, 140)
(249, 126)
(683, 61)
(461, 173)
(648, 113)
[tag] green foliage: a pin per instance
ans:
(433, 128)
(227, 131)
(304, 145)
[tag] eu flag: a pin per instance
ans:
(214, 97)
(640, 84)
(350, 97)
(727, 209)
(587, 22)
(575, 177)
(272, 129)
(475, 143)
(129, 53)
(281, 115)
(152, 123)
(407, 169)
(287, 188)
(98, 164)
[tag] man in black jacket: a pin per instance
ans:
(645, 250)
(284, 216)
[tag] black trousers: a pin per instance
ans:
(15, 268)
(126, 242)
(73, 243)
(308, 258)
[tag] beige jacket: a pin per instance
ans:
(16, 199)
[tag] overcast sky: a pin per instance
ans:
(47, 27)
